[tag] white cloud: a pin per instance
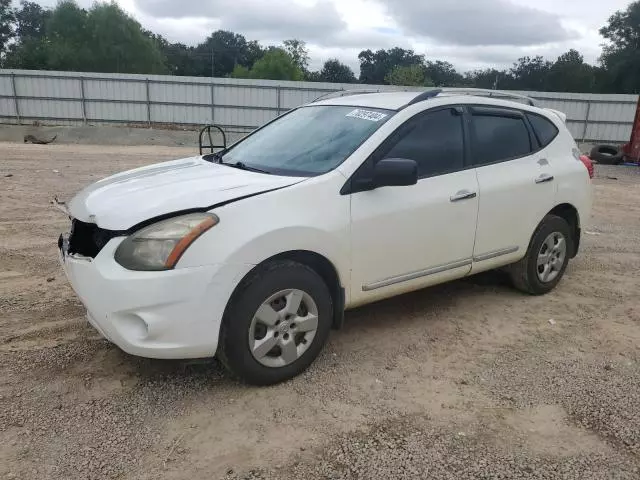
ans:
(468, 33)
(478, 22)
(264, 20)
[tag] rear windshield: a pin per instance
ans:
(308, 141)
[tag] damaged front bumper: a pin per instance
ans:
(169, 314)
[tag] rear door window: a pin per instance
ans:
(499, 138)
(544, 129)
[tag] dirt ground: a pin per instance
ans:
(113, 135)
(465, 380)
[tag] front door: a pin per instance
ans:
(405, 238)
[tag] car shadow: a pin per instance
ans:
(394, 312)
(409, 306)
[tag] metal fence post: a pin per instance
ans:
(84, 105)
(213, 108)
(148, 103)
(586, 121)
(279, 100)
(15, 97)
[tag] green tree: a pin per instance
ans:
(602, 80)
(335, 71)
(7, 18)
(240, 71)
(276, 64)
(313, 76)
(102, 39)
(374, 67)
(489, 78)
(529, 74)
(413, 75)
(443, 74)
(31, 21)
(119, 44)
(29, 48)
(298, 51)
(222, 51)
(570, 74)
(181, 59)
(68, 43)
(621, 57)
(254, 52)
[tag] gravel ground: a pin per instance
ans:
(465, 380)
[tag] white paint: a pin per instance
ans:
(123, 200)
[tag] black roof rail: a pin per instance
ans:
(482, 92)
(423, 96)
(479, 92)
(345, 93)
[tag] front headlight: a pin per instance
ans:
(160, 245)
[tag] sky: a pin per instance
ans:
(468, 33)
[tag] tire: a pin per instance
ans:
(244, 330)
(527, 275)
(607, 155)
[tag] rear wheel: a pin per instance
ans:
(276, 324)
(547, 257)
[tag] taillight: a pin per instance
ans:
(587, 163)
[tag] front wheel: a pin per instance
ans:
(276, 324)
(547, 257)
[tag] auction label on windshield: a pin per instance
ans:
(367, 115)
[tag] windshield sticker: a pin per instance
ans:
(367, 115)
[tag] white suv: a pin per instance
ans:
(253, 254)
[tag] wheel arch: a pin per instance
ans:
(570, 214)
(321, 265)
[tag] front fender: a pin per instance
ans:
(292, 238)
(310, 216)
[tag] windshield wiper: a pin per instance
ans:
(214, 157)
(244, 166)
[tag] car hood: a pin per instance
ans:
(123, 200)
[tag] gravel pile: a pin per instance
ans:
(99, 438)
(601, 396)
(403, 449)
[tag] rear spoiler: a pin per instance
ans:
(559, 114)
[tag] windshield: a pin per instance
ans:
(308, 141)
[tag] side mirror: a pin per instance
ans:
(395, 172)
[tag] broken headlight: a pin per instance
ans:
(160, 245)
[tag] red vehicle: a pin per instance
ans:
(629, 152)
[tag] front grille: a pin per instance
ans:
(88, 239)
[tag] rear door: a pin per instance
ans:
(516, 184)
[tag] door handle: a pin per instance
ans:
(544, 178)
(463, 195)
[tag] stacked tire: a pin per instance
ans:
(607, 155)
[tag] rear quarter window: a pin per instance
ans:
(544, 129)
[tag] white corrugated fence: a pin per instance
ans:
(237, 104)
